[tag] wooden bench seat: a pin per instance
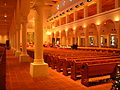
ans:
(97, 69)
(77, 66)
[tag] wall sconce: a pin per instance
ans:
(5, 15)
(84, 26)
(98, 23)
(74, 28)
(117, 19)
(66, 29)
(48, 33)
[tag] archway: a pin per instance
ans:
(108, 33)
(92, 34)
(80, 36)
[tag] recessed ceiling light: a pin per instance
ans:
(5, 15)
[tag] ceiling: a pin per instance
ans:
(7, 8)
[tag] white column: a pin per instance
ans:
(108, 40)
(17, 29)
(75, 15)
(18, 41)
(74, 36)
(117, 27)
(79, 40)
(11, 41)
(66, 38)
(99, 36)
(60, 37)
(99, 6)
(38, 68)
(85, 11)
(24, 56)
(86, 37)
(14, 43)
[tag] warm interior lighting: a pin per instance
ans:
(5, 15)
(66, 29)
(117, 18)
(84, 26)
(74, 28)
(98, 23)
(48, 33)
(5, 4)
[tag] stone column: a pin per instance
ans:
(86, 37)
(108, 40)
(99, 6)
(60, 37)
(99, 36)
(75, 15)
(74, 36)
(117, 27)
(17, 53)
(18, 41)
(117, 3)
(14, 42)
(24, 56)
(66, 38)
(85, 11)
(38, 68)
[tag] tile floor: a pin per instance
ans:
(18, 78)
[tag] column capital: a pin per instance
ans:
(38, 6)
(24, 19)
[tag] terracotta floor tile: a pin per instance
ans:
(18, 78)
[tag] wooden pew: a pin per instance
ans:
(68, 63)
(77, 65)
(97, 69)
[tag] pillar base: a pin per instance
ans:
(14, 50)
(24, 58)
(17, 53)
(39, 70)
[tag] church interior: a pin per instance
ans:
(59, 44)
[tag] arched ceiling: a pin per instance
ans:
(7, 8)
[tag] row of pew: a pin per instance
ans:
(81, 62)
